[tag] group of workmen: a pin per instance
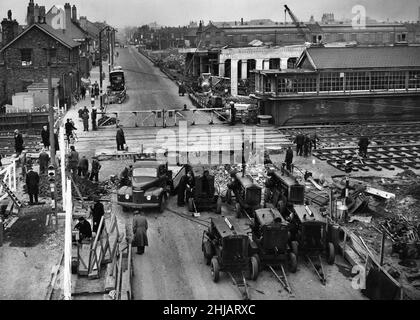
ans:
(305, 144)
(80, 166)
(84, 115)
(84, 227)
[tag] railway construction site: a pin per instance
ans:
(365, 211)
(375, 237)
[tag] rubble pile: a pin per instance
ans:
(87, 188)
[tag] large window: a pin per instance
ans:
(357, 81)
(414, 80)
(53, 56)
(267, 85)
(26, 57)
(296, 84)
(331, 81)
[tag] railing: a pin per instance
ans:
(169, 117)
(123, 290)
(102, 248)
(9, 177)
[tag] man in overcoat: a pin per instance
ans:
(45, 137)
(32, 184)
(140, 232)
(97, 214)
(18, 142)
(289, 159)
(120, 139)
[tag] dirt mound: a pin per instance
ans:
(29, 230)
(87, 188)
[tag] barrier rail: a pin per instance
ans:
(166, 117)
(103, 247)
(9, 178)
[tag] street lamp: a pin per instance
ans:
(108, 28)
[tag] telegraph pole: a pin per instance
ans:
(51, 168)
(100, 70)
(51, 108)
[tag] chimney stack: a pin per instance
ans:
(41, 15)
(30, 16)
(9, 29)
(83, 21)
(36, 13)
(74, 13)
(67, 12)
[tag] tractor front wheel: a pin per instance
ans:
(331, 253)
(207, 251)
(254, 268)
(292, 262)
(215, 269)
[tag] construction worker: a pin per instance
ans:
(85, 117)
(93, 117)
(73, 160)
(120, 138)
(84, 228)
(232, 114)
(96, 166)
(314, 140)
(83, 167)
(289, 159)
(18, 142)
(299, 140)
(43, 159)
(306, 145)
(140, 227)
(125, 176)
(45, 137)
(69, 127)
(97, 212)
(187, 182)
(363, 145)
(32, 184)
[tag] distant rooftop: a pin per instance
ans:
(363, 57)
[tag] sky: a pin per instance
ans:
(121, 13)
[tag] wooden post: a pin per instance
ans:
(381, 262)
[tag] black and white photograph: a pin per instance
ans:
(209, 154)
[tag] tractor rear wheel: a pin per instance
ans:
(292, 262)
(254, 268)
(207, 251)
(331, 253)
(295, 248)
(215, 269)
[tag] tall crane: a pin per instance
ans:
(299, 25)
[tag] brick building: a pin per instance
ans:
(23, 61)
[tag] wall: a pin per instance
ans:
(298, 111)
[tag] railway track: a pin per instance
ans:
(393, 146)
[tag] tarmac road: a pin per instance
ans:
(173, 266)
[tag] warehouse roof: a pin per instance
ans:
(361, 57)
